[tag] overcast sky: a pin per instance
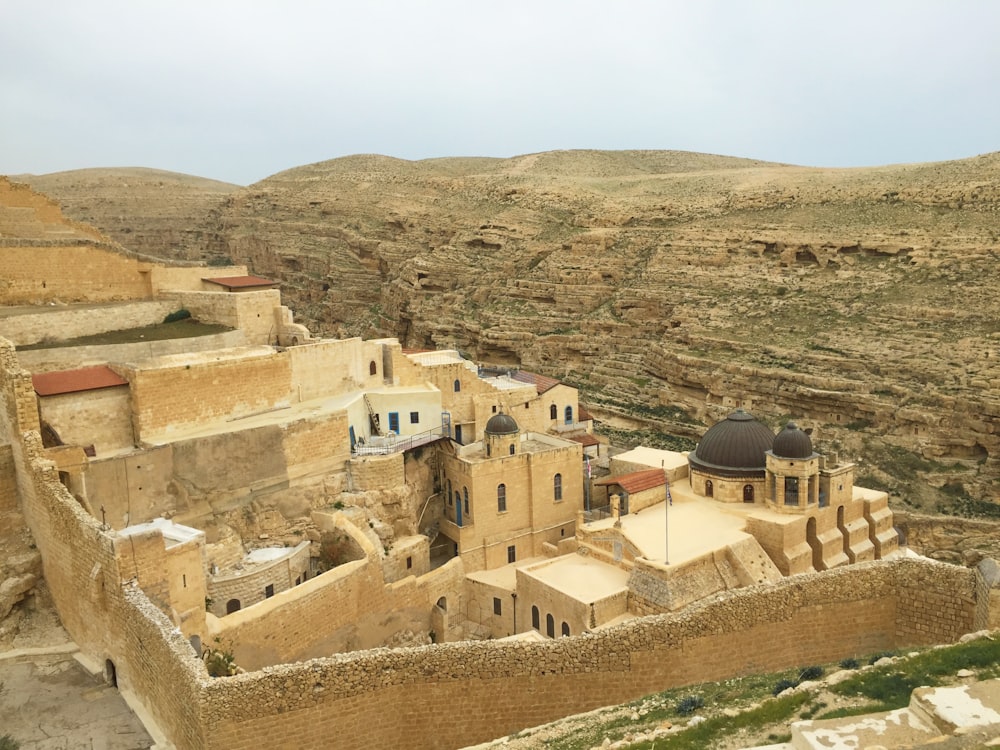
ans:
(238, 90)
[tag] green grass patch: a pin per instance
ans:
(179, 329)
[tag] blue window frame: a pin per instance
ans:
(394, 421)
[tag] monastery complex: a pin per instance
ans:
(362, 526)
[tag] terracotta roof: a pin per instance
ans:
(241, 282)
(540, 382)
(72, 381)
(636, 481)
(585, 439)
(582, 415)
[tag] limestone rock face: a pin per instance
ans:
(670, 287)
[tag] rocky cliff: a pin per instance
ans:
(669, 286)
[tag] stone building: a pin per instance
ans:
(510, 494)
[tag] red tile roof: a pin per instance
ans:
(636, 481)
(585, 440)
(241, 282)
(584, 416)
(72, 381)
(541, 382)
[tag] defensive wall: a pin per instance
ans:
(804, 619)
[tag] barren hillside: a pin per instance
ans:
(669, 286)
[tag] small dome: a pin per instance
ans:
(734, 446)
(502, 424)
(792, 442)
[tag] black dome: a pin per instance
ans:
(735, 446)
(792, 442)
(502, 424)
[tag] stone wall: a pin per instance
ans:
(173, 396)
(955, 540)
(254, 313)
(72, 357)
(70, 273)
(71, 322)
(108, 620)
(99, 417)
(806, 619)
(376, 472)
(249, 586)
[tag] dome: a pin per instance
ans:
(735, 446)
(792, 442)
(502, 424)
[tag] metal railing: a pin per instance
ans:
(383, 446)
(597, 514)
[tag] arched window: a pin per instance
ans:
(501, 498)
(489, 450)
(569, 415)
(465, 499)
(748, 493)
(557, 487)
(449, 492)
(553, 412)
(709, 489)
(511, 450)
(458, 385)
(233, 605)
(534, 617)
(550, 626)
(458, 498)
(565, 628)
(372, 368)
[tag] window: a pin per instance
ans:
(466, 506)
(458, 386)
(550, 626)
(709, 488)
(565, 628)
(494, 408)
(553, 412)
(449, 492)
(511, 450)
(534, 617)
(569, 415)
(748, 496)
(497, 606)
(233, 605)
(557, 487)
(394, 422)
(269, 591)
(511, 553)
(409, 563)
(414, 417)
(501, 498)
(488, 451)
(372, 368)
(458, 432)
(465, 498)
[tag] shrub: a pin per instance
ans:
(219, 260)
(9, 743)
(181, 314)
(879, 655)
(783, 685)
(689, 705)
(850, 664)
(810, 673)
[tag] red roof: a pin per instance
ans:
(72, 381)
(241, 282)
(540, 382)
(585, 440)
(583, 415)
(637, 480)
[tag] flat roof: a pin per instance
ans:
(173, 533)
(585, 579)
(240, 282)
(74, 381)
(654, 457)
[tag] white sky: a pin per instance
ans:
(240, 89)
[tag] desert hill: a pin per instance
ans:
(671, 287)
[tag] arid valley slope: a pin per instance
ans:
(669, 286)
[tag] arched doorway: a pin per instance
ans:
(709, 488)
(110, 673)
(748, 493)
(233, 605)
